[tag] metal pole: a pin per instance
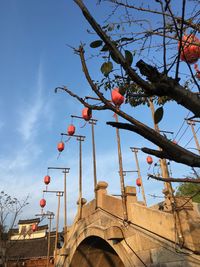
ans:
(49, 240)
(65, 201)
(80, 178)
(139, 175)
(121, 173)
(191, 123)
(168, 186)
(57, 224)
(163, 162)
(94, 161)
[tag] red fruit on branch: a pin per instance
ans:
(197, 71)
(117, 98)
(190, 52)
(71, 129)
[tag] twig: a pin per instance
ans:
(175, 180)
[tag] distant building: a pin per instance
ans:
(29, 248)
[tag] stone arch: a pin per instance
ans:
(94, 251)
(94, 237)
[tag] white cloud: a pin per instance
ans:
(30, 112)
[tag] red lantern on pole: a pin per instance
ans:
(117, 98)
(60, 146)
(71, 129)
(34, 227)
(42, 203)
(87, 114)
(138, 182)
(149, 160)
(47, 179)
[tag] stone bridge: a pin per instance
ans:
(164, 236)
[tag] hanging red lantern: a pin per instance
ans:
(149, 160)
(71, 129)
(34, 227)
(60, 146)
(190, 49)
(87, 114)
(138, 182)
(47, 179)
(42, 203)
(117, 98)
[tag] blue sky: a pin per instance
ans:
(35, 59)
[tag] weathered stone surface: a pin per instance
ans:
(148, 238)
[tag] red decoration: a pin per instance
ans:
(61, 146)
(149, 160)
(117, 98)
(47, 179)
(34, 227)
(197, 71)
(87, 114)
(71, 129)
(175, 142)
(42, 203)
(138, 182)
(190, 49)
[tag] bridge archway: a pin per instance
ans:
(94, 251)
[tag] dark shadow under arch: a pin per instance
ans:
(95, 252)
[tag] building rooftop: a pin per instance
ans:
(30, 248)
(29, 221)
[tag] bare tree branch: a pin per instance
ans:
(170, 151)
(160, 85)
(175, 180)
(188, 22)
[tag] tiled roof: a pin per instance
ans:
(37, 220)
(30, 248)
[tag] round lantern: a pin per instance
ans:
(138, 182)
(117, 98)
(60, 146)
(149, 160)
(71, 129)
(42, 203)
(190, 49)
(87, 114)
(47, 179)
(34, 227)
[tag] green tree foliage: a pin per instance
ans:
(189, 189)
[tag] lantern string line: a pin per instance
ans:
(58, 155)
(68, 139)
(83, 125)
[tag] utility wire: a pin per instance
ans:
(183, 134)
(191, 138)
(182, 125)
